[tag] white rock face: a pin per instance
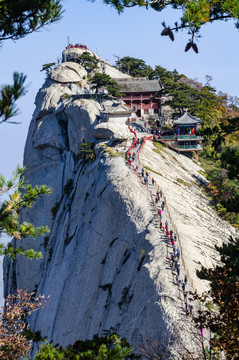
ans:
(113, 72)
(105, 259)
(114, 131)
(69, 72)
(198, 225)
(103, 66)
(74, 53)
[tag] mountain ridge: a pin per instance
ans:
(102, 222)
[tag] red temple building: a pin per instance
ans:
(140, 95)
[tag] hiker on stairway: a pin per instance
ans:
(185, 279)
(178, 268)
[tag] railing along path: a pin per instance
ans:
(171, 222)
(173, 226)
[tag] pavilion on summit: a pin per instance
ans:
(185, 138)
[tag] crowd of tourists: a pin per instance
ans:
(173, 249)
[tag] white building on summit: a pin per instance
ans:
(118, 113)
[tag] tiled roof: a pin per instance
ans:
(186, 119)
(138, 85)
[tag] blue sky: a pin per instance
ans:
(135, 33)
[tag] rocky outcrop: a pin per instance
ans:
(69, 72)
(112, 131)
(103, 65)
(105, 259)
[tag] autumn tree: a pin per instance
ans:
(195, 14)
(13, 342)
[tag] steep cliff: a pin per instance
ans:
(105, 259)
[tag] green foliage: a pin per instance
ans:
(21, 17)
(112, 153)
(133, 67)
(102, 80)
(224, 191)
(66, 96)
(88, 61)
(194, 14)
(221, 317)
(8, 96)
(220, 128)
(184, 93)
(181, 181)
(229, 254)
(20, 196)
(34, 336)
(230, 161)
(153, 171)
(48, 67)
(158, 146)
(87, 152)
(108, 347)
(167, 127)
(48, 352)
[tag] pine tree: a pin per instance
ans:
(194, 14)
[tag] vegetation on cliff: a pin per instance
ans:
(219, 113)
(102, 80)
(222, 318)
(19, 18)
(109, 346)
(19, 196)
(14, 343)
